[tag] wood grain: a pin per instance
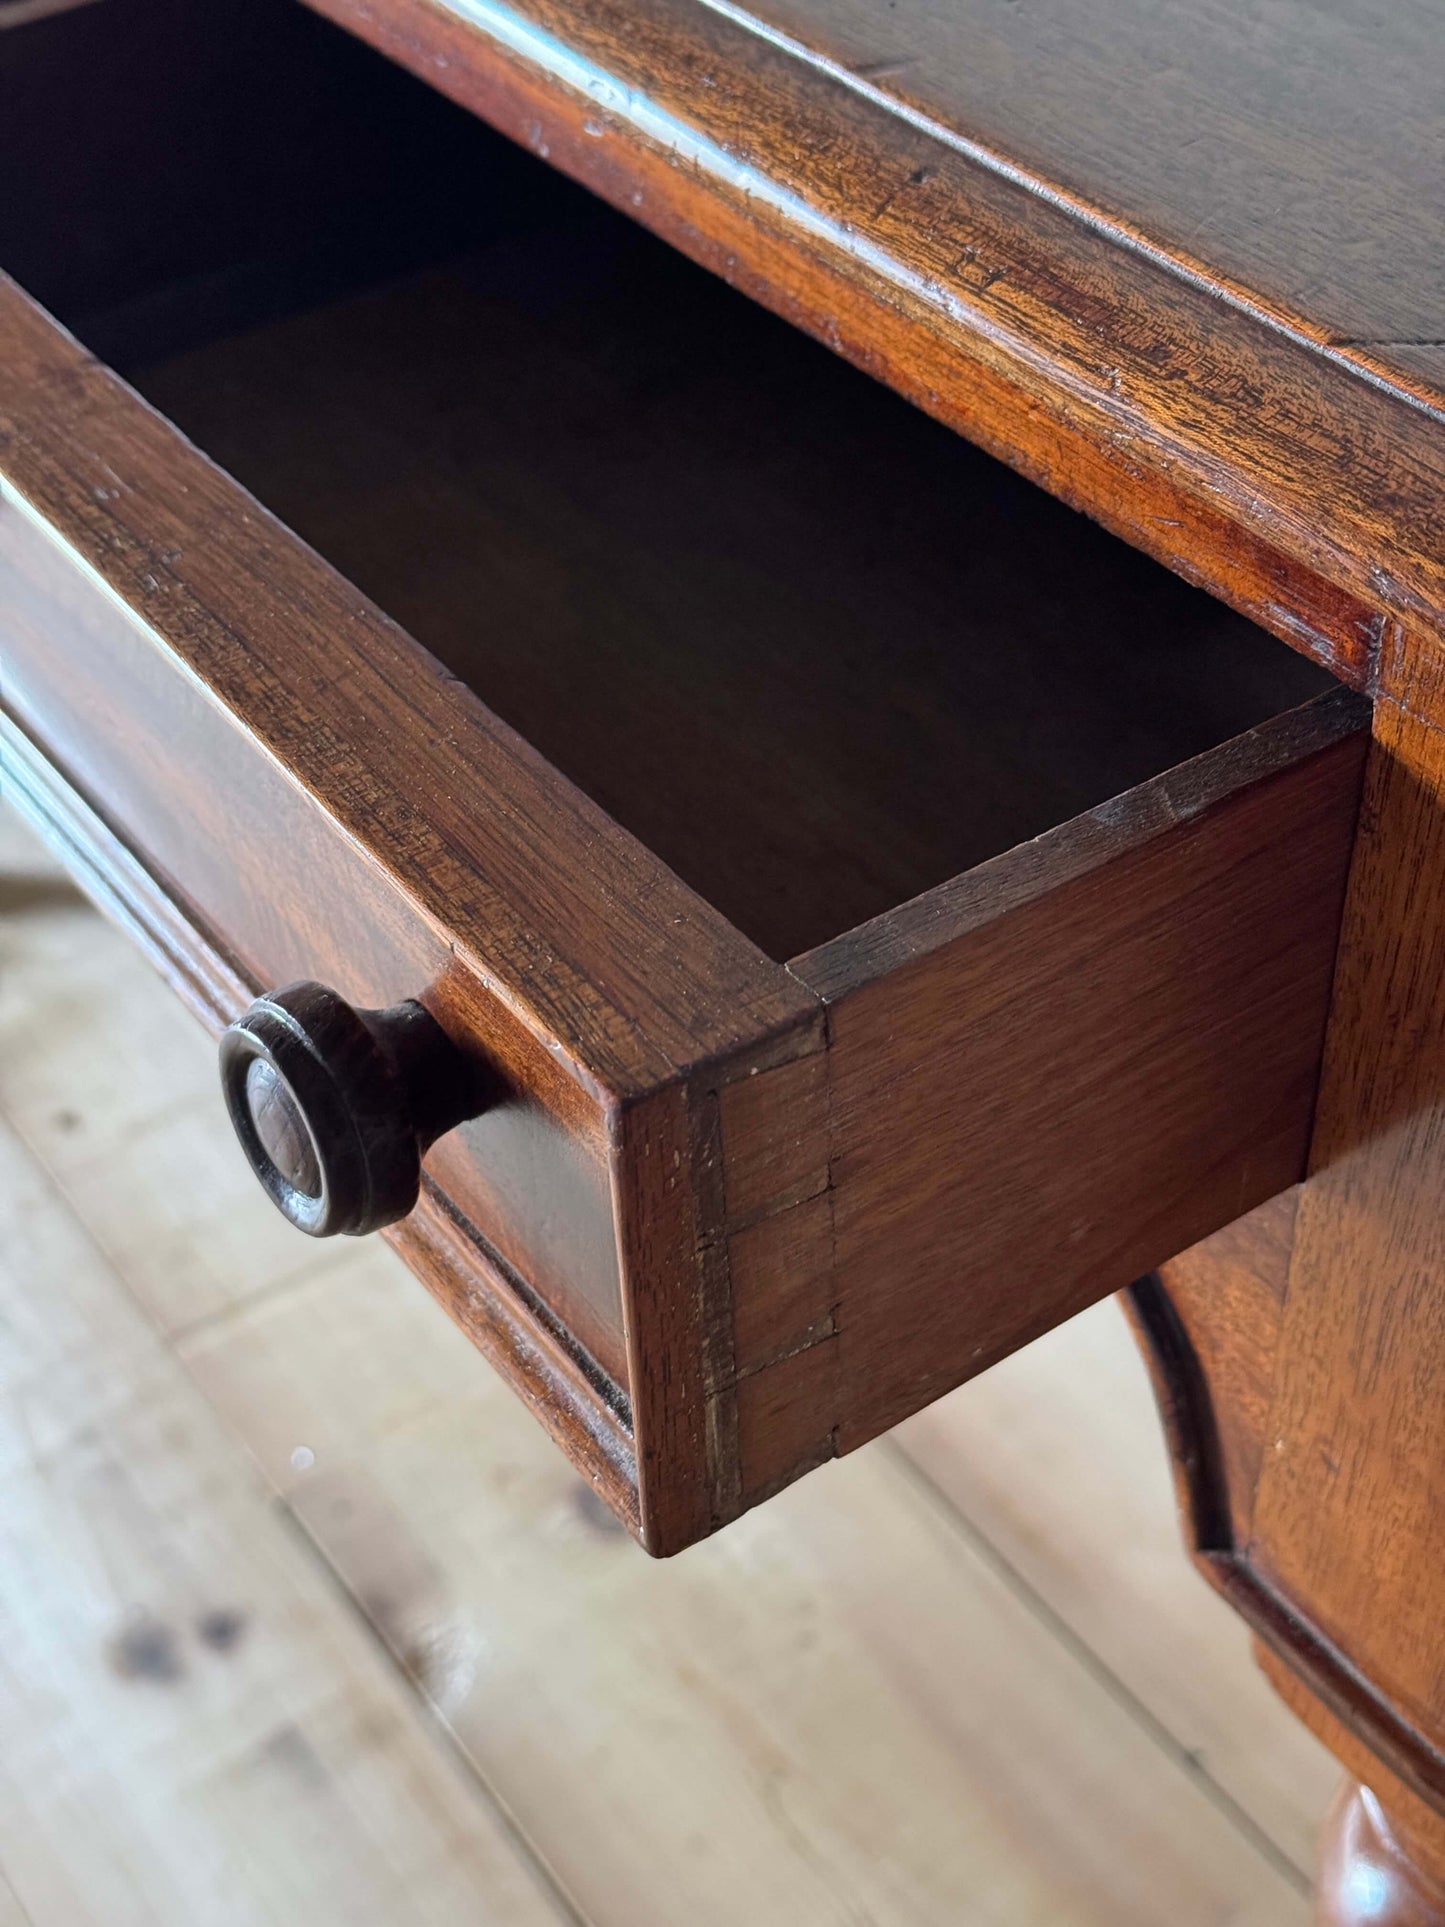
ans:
(266, 795)
(1228, 1294)
(865, 1712)
(1065, 1067)
(213, 1249)
(1348, 1522)
(1256, 402)
(206, 979)
(1287, 154)
(777, 1680)
(1336, 1558)
(320, 818)
(106, 482)
(537, 1181)
(1054, 1457)
(1206, 434)
(534, 1171)
(606, 491)
(197, 1727)
(774, 1151)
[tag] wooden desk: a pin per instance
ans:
(943, 928)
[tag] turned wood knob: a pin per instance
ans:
(335, 1107)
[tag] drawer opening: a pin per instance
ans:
(814, 650)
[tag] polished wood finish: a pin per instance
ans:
(756, 1209)
(541, 1187)
(860, 1624)
(1330, 1541)
(752, 1417)
(543, 1365)
(768, 1370)
(243, 846)
(1300, 167)
(335, 1107)
(206, 979)
(1228, 1295)
(1371, 1872)
(812, 706)
(668, 1187)
(1349, 1517)
(1220, 1433)
(1021, 1108)
(1408, 1831)
(1177, 414)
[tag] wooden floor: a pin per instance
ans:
(304, 1621)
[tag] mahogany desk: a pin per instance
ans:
(834, 910)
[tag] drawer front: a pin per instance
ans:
(317, 799)
(256, 862)
(732, 1217)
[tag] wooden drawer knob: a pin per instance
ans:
(336, 1107)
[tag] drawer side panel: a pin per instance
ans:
(1081, 1059)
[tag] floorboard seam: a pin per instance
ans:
(939, 1502)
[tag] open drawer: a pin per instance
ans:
(890, 912)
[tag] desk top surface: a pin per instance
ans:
(1291, 150)
(1179, 261)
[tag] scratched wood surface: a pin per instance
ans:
(916, 1689)
(1289, 151)
(1181, 416)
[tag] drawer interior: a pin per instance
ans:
(813, 649)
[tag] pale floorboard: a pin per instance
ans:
(1055, 1458)
(982, 1686)
(192, 1727)
(119, 1100)
(12, 1914)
